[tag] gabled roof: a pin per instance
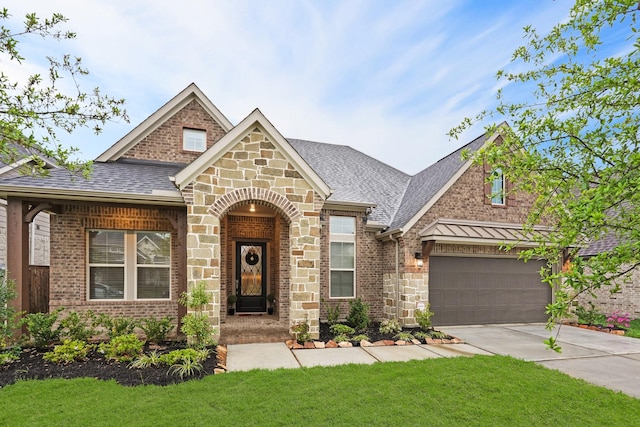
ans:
(146, 182)
(17, 155)
(427, 186)
(355, 178)
(190, 93)
(231, 138)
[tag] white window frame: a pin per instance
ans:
(338, 237)
(498, 197)
(194, 140)
(130, 265)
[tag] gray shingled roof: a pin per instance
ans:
(124, 177)
(355, 177)
(425, 184)
(17, 152)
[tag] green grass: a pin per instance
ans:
(483, 390)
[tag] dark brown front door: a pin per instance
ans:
(251, 284)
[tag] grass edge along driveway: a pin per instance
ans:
(481, 390)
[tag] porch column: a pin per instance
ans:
(18, 251)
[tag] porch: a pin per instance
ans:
(253, 328)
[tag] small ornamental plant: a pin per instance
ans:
(619, 320)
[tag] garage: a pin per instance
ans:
(477, 290)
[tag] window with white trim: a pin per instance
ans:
(194, 140)
(129, 265)
(497, 187)
(342, 230)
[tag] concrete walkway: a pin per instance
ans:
(608, 360)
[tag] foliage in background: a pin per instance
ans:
(32, 113)
(575, 142)
(9, 321)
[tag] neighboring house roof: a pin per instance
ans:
(190, 93)
(606, 244)
(143, 181)
(18, 155)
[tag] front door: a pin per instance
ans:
(251, 283)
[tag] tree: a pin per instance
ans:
(33, 111)
(574, 141)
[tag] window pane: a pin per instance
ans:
(342, 255)
(194, 139)
(341, 284)
(153, 282)
(497, 188)
(342, 225)
(106, 283)
(153, 248)
(106, 247)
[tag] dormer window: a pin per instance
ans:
(194, 140)
(497, 187)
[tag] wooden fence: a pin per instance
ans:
(39, 289)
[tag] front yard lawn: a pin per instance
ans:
(483, 390)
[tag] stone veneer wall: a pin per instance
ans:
(368, 268)
(626, 301)
(68, 270)
(254, 171)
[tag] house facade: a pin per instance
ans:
(187, 198)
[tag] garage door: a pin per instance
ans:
(468, 291)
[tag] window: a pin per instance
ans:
(194, 140)
(342, 231)
(128, 265)
(497, 187)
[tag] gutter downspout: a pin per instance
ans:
(393, 239)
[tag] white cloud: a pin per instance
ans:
(388, 78)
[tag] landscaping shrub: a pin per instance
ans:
(389, 326)
(358, 316)
(42, 327)
(156, 330)
(123, 348)
(590, 316)
(117, 326)
(339, 329)
(423, 317)
(198, 330)
(301, 330)
(69, 351)
(79, 326)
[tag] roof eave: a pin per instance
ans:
(162, 198)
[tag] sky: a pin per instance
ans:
(389, 78)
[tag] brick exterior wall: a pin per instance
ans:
(368, 268)
(627, 300)
(254, 171)
(68, 275)
(165, 142)
(465, 199)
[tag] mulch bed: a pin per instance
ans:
(31, 365)
(373, 332)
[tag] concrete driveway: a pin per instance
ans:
(607, 360)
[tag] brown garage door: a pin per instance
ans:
(468, 291)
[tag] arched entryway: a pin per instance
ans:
(254, 267)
